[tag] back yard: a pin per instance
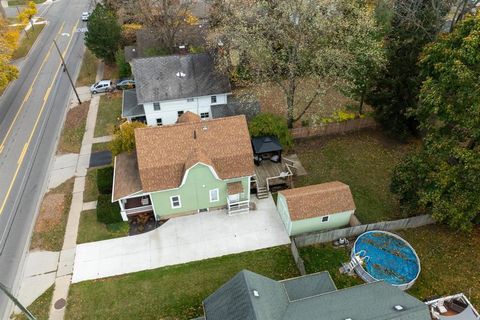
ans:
(173, 292)
(364, 160)
(449, 262)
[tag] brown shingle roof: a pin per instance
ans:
(234, 187)
(189, 117)
(127, 178)
(318, 200)
(165, 153)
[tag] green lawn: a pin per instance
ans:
(173, 292)
(363, 160)
(91, 191)
(26, 43)
(91, 230)
(449, 260)
(14, 3)
(88, 72)
(109, 114)
(73, 129)
(40, 308)
(103, 146)
(324, 257)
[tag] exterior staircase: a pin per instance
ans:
(262, 192)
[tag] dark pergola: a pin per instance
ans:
(266, 148)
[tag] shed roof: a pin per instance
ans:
(165, 153)
(266, 144)
(177, 77)
(126, 177)
(318, 200)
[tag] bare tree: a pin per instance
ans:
(165, 17)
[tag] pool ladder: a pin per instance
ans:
(356, 260)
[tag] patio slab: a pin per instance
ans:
(180, 240)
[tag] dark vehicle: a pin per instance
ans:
(125, 84)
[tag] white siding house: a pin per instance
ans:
(168, 86)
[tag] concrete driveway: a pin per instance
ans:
(180, 240)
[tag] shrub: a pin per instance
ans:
(267, 124)
(105, 180)
(124, 70)
(107, 212)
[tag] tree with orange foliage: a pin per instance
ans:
(8, 42)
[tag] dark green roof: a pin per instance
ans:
(250, 296)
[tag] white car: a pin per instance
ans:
(85, 16)
(102, 86)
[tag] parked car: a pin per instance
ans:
(102, 86)
(85, 16)
(126, 84)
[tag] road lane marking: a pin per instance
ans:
(29, 92)
(25, 147)
(45, 97)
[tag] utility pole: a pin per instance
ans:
(17, 303)
(68, 73)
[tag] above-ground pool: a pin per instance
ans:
(386, 257)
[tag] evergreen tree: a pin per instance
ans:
(103, 35)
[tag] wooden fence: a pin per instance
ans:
(333, 128)
(298, 259)
(327, 236)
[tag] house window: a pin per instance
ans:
(205, 115)
(179, 113)
(325, 219)
(156, 106)
(214, 99)
(190, 100)
(214, 195)
(159, 121)
(175, 201)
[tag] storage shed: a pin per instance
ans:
(317, 207)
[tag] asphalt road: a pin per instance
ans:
(32, 111)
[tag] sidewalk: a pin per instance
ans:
(67, 255)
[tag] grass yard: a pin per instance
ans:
(26, 43)
(363, 160)
(88, 72)
(103, 146)
(40, 308)
(91, 191)
(110, 72)
(324, 257)
(449, 261)
(51, 221)
(14, 3)
(109, 114)
(91, 230)
(173, 292)
(73, 129)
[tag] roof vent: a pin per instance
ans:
(348, 318)
(398, 307)
(180, 74)
(255, 293)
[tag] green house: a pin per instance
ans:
(251, 296)
(317, 207)
(185, 168)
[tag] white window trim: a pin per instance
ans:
(159, 107)
(179, 202)
(218, 195)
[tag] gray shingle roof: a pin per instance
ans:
(157, 80)
(315, 298)
(130, 106)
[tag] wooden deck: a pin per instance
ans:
(269, 169)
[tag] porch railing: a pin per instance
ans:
(139, 209)
(238, 206)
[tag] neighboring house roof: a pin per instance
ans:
(245, 104)
(189, 117)
(318, 200)
(266, 144)
(177, 77)
(165, 153)
(250, 296)
(130, 106)
(126, 177)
